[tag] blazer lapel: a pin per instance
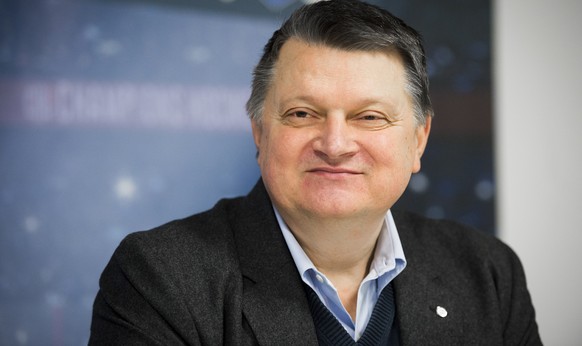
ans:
(274, 301)
(426, 304)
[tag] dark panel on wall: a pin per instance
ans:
(121, 115)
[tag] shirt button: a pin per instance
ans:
(319, 278)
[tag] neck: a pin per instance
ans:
(341, 249)
(335, 245)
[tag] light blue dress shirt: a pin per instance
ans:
(387, 263)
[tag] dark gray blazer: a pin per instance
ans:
(226, 277)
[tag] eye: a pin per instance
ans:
(372, 121)
(300, 117)
(371, 117)
(300, 114)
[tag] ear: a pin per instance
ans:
(257, 131)
(422, 132)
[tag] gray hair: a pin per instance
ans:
(349, 25)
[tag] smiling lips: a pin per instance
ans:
(333, 171)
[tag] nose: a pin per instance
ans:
(335, 138)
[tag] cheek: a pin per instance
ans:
(276, 150)
(395, 154)
(289, 145)
(408, 151)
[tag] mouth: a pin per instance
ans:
(333, 171)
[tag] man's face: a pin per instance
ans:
(338, 137)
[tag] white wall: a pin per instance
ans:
(538, 124)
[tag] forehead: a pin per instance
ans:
(315, 69)
(296, 47)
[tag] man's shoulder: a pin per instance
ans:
(212, 227)
(447, 229)
(202, 239)
(448, 238)
(212, 223)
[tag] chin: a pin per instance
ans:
(333, 209)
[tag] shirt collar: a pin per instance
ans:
(388, 255)
(302, 262)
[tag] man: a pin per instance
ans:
(340, 116)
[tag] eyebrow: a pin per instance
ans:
(366, 102)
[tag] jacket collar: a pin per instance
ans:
(274, 301)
